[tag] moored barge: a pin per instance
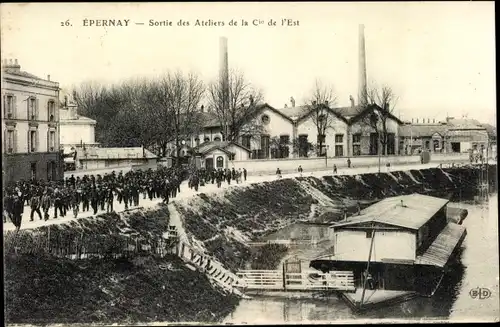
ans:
(397, 249)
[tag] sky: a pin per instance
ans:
(438, 57)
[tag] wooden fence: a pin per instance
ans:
(304, 281)
(80, 245)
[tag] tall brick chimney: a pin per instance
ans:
(224, 69)
(362, 91)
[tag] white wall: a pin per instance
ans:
(310, 164)
(239, 153)
(74, 133)
(45, 91)
(337, 126)
(355, 246)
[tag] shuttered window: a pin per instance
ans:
(9, 105)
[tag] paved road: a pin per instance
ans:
(209, 188)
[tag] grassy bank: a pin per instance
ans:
(260, 209)
(105, 234)
(43, 290)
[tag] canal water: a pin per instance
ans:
(453, 301)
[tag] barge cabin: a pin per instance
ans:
(402, 243)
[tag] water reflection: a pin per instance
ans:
(478, 267)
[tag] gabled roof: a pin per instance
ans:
(368, 109)
(416, 210)
(210, 146)
(333, 111)
(210, 118)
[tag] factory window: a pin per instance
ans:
(339, 150)
(303, 146)
(217, 139)
(265, 119)
(369, 234)
(356, 144)
(220, 162)
(264, 146)
(391, 143)
(206, 139)
(339, 138)
(245, 141)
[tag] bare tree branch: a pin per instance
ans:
(385, 101)
(235, 103)
(318, 105)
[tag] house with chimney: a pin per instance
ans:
(30, 125)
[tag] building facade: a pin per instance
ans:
(75, 130)
(30, 126)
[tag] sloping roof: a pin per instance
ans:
(210, 118)
(324, 107)
(14, 71)
(292, 112)
(117, 153)
(468, 135)
(221, 145)
(440, 251)
(422, 130)
(348, 112)
(370, 108)
(463, 123)
(416, 210)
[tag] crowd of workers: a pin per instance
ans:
(99, 193)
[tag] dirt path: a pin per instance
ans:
(186, 192)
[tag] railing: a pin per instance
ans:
(305, 281)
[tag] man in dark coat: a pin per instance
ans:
(85, 199)
(17, 210)
(109, 199)
(35, 204)
(94, 199)
(126, 195)
(245, 174)
(58, 205)
(46, 201)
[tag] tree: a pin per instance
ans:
(235, 102)
(318, 109)
(175, 99)
(376, 108)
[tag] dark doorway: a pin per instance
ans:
(33, 171)
(373, 143)
(209, 163)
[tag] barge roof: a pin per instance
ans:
(443, 247)
(407, 211)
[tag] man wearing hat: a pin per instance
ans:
(45, 201)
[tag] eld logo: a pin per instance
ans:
(480, 293)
